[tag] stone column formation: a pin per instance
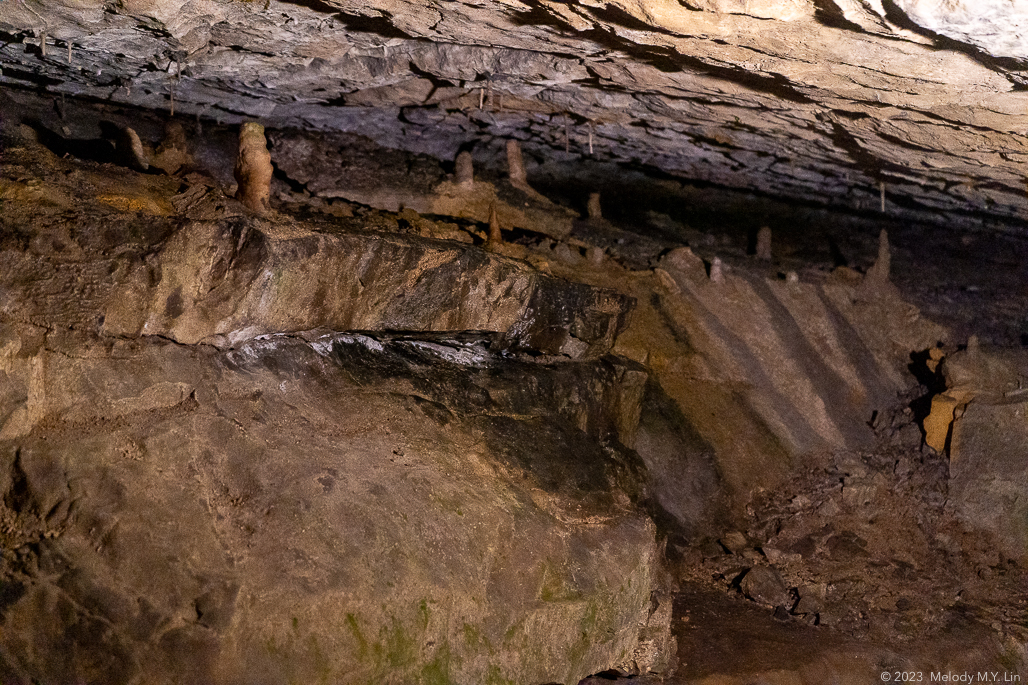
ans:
(764, 243)
(253, 169)
(465, 171)
(516, 165)
(495, 237)
(593, 207)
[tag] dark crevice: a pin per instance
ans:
(852, 116)
(905, 144)
(827, 13)
(18, 496)
(96, 150)
(39, 80)
(435, 80)
(155, 31)
(294, 185)
(866, 161)
(618, 17)
(316, 5)
(537, 16)
(380, 26)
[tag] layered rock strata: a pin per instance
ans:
(917, 103)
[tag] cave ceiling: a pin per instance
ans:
(823, 101)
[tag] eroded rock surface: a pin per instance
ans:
(226, 283)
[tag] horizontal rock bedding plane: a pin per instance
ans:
(224, 283)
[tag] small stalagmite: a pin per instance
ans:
(876, 284)
(883, 265)
(764, 243)
(172, 154)
(130, 150)
(495, 237)
(465, 171)
(516, 165)
(593, 206)
(877, 277)
(717, 273)
(253, 168)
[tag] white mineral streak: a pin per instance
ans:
(995, 26)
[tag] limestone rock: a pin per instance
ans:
(990, 377)
(327, 171)
(414, 83)
(224, 283)
(231, 528)
(764, 585)
(988, 472)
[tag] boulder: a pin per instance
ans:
(300, 510)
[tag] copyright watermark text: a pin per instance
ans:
(950, 677)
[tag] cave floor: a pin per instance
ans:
(881, 579)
